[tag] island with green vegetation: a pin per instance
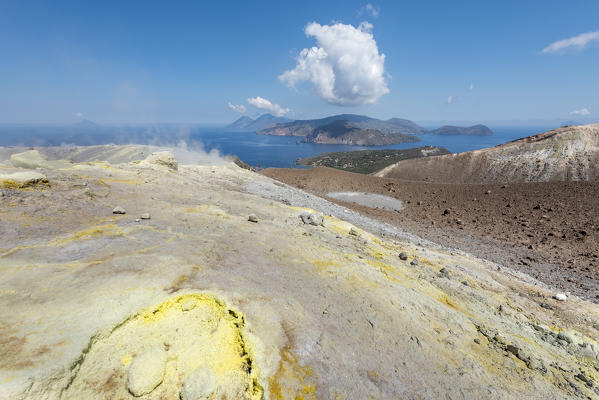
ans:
(369, 161)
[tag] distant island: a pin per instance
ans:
(344, 132)
(307, 127)
(475, 130)
(369, 161)
(250, 125)
(349, 129)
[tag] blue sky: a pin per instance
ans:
(470, 61)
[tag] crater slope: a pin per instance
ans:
(565, 154)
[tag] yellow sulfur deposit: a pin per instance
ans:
(192, 330)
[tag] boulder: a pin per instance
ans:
(561, 297)
(164, 159)
(22, 179)
(30, 159)
(119, 210)
(309, 218)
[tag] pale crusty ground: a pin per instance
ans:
(313, 311)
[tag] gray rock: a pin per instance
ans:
(414, 262)
(252, 218)
(582, 377)
(119, 210)
(566, 336)
(560, 297)
(354, 232)
(403, 256)
(513, 349)
(315, 219)
(145, 216)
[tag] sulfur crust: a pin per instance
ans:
(194, 328)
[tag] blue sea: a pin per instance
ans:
(260, 150)
(283, 151)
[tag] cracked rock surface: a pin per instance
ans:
(199, 301)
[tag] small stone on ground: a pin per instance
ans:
(312, 218)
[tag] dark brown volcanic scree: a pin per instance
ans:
(548, 230)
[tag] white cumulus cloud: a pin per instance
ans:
(345, 68)
(265, 104)
(238, 108)
(574, 43)
(582, 112)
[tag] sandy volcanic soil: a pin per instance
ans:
(548, 230)
(223, 291)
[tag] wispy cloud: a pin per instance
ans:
(574, 43)
(238, 108)
(370, 9)
(264, 104)
(583, 112)
(345, 67)
(453, 98)
(78, 114)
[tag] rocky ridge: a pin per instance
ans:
(565, 154)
